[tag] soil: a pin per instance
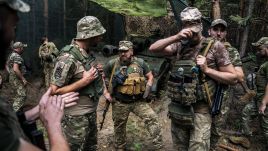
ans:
(137, 136)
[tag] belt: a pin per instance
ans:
(125, 98)
(180, 79)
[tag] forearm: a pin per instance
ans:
(74, 87)
(265, 97)
(19, 74)
(222, 77)
(56, 138)
(239, 73)
(32, 114)
(161, 44)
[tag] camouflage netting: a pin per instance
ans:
(147, 26)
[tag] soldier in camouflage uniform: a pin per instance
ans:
(189, 109)
(76, 70)
(47, 53)
(259, 104)
(218, 31)
(17, 70)
(129, 92)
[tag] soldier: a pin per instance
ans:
(218, 31)
(259, 104)
(75, 70)
(17, 70)
(198, 65)
(51, 108)
(129, 92)
(48, 52)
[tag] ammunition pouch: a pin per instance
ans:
(132, 86)
(118, 79)
(181, 114)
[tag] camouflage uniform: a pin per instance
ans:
(219, 120)
(48, 53)
(251, 109)
(16, 84)
(196, 135)
(79, 122)
(124, 103)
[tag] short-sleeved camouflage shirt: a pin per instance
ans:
(234, 55)
(16, 58)
(68, 70)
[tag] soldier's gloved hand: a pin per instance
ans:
(147, 91)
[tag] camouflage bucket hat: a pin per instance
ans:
(88, 27)
(262, 41)
(218, 21)
(18, 5)
(192, 14)
(18, 45)
(125, 45)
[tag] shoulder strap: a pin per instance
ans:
(74, 52)
(205, 52)
(111, 77)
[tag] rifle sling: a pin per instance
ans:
(205, 82)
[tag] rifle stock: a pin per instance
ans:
(107, 105)
(217, 102)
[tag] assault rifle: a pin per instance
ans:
(216, 105)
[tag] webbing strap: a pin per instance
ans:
(205, 83)
(111, 77)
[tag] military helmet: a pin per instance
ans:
(88, 27)
(18, 5)
(125, 45)
(262, 41)
(217, 22)
(18, 45)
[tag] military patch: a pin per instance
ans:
(59, 69)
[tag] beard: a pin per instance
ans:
(125, 61)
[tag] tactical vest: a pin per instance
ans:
(94, 89)
(135, 81)
(185, 84)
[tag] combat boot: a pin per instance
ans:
(243, 141)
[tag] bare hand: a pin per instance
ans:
(24, 81)
(90, 75)
(70, 98)
(108, 96)
(44, 99)
(51, 113)
(262, 108)
(202, 62)
(184, 34)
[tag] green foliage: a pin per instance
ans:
(240, 20)
(153, 8)
(137, 146)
